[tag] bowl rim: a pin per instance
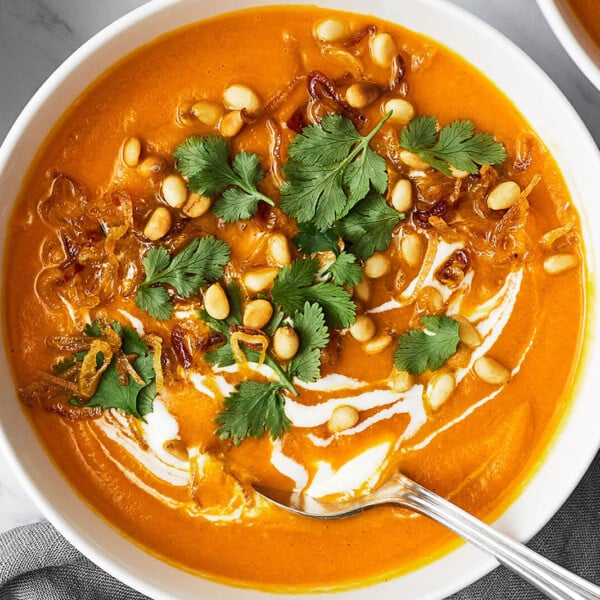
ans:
(575, 40)
(524, 527)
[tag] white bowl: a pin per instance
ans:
(572, 449)
(584, 52)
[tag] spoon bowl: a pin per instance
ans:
(554, 581)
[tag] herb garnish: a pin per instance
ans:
(204, 161)
(255, 407)
(200, 262)
(457, 145)
(420, 350)
(330, 169)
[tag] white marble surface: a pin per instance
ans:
(37, 35)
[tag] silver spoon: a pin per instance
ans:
(548, 577)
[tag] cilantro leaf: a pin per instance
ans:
(420, 350)
(330, 168)
(345, 270)
(369, 226)
(457, 145)
(93, 329)
(295, 285)
(314, 335)
(311, 240)
(200, 262)
(252, 409)
(204, 161)
(63, 365)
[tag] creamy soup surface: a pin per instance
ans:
(301, 248)
(588, 14)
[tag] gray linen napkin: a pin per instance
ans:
(36, 563)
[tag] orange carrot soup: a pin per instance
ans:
(588, 14)
(300, 248)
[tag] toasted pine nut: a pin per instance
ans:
(177, 449)
(430, 299)
(286, 343)
(401, 381)
(377, 344)
(231, 124)
(402, 110)
(377, 265)
(159, 223)
(196, 205)
(151, 166)
(362, 290)
(342, 417)
(402, 195)
(279, 250)
(326, 258)
(359, 95)
(241, 97)
(440, 387)
(260, 279)
(258, 313)
(207, 112)
(411, 247)
(331, 30)
(383, 49)
(458, 173)
(467, 332)
(132, 148)
(174, 190)
(491, 371)
(363, 329)
(216, 303)
(504, 195)
(559, 263)
(413, 161)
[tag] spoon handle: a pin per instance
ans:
(554, 581)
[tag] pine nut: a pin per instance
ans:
(363, 329)
(402, 196)
(458, 173)
(330, 30)
(430, 300)
(151, 166)
(401, 381)
(258, 313)
(132, 148)
(359, 95)
(177, 449)
(207, 112)
(376, 265)
(402, 111)
(279, 250)
(559, 263)
(260, 279)
(440, 388)
(377, 344)
(491, 371)
(231, 124)
(174, 190)
(342, 417)
(411, 247)
(467, 332)
(413, 161)
(216, 303)
(196, 205)
(362, 290)
(504, 195)
(326, 259)
(383, 49)
(241, 97)
(286, 343)
(159, 223)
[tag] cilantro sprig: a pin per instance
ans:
(200, 262)
(204, 161)
(419, 350)
(134, 397)
(330, 169)
(457, 145)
